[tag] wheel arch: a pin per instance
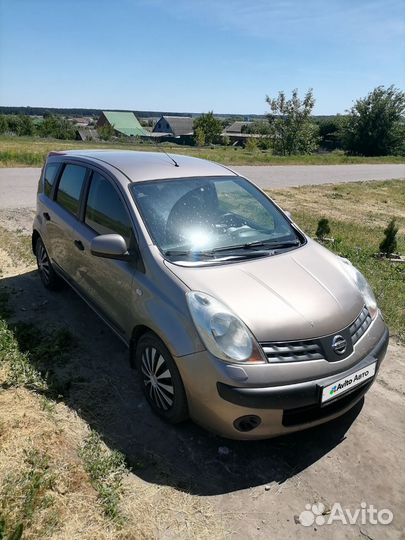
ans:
(34, 238)
(139, 331)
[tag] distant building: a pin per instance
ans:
(236, 127)
(124, 123)
(177, 126)
(86, 134)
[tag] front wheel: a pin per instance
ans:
(161, 381)
(48, 276)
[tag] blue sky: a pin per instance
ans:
(197, 55)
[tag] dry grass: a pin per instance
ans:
(58, 479)
(366, 203)
(16, 248)
(65, 503)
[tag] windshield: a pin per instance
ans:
(211, 217)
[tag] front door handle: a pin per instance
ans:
(79, 245)
(47, 216)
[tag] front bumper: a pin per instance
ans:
(220, 394)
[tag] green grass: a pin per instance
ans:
(25, 493)
(31, 152)
(106, 469)
(28, 355)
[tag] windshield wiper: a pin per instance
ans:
(259, 243)
(187, 253)
(272, 244)
(209, 253)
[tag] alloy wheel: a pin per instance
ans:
(44, 263)
(157, 378)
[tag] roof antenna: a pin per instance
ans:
(168, 155)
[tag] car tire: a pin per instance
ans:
(160, 379)
(49, 277)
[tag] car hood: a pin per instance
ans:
(299, 294)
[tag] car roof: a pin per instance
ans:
(141, 166)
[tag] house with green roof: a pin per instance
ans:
(124, 123)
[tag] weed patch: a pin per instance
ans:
(106, 469)
(27, 492)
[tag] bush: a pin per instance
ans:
(3, 124)
(210, 126)
(199, 137)
(250, 144)
(389, 244)
(56, 127)
(106, 132)
(323, 228)
(375, 126)
(330, 133)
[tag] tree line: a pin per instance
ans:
(23, 125)
(374, 126)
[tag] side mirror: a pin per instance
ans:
(288, 214)
(109, 246)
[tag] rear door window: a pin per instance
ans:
(50, 174)
(105, 211)
(70, 187)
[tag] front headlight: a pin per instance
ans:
(363, 285)
(222, 332)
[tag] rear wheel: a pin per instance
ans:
(48, 276)
(161, 381)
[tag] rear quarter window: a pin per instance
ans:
(70, 187)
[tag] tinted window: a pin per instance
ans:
(70, 187)
(49, 177)
(105, 212)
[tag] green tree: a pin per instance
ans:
(199, 137)
(259, 127)
(210, 126)
(292, 130)
(25, 125)
(389, 244)
(3, 124)
(56, 127)
(330, 132)
(375, 125)
(12, 123)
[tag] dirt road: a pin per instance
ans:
(18, 185)
(257, 489)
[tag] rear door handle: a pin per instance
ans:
(79, 245)
(47, 216)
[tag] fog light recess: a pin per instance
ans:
(247, 423)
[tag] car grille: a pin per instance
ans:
(360, 325)
(294, 351)
(315, 349)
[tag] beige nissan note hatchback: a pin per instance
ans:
(232, 315)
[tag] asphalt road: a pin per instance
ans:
(18, 185)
